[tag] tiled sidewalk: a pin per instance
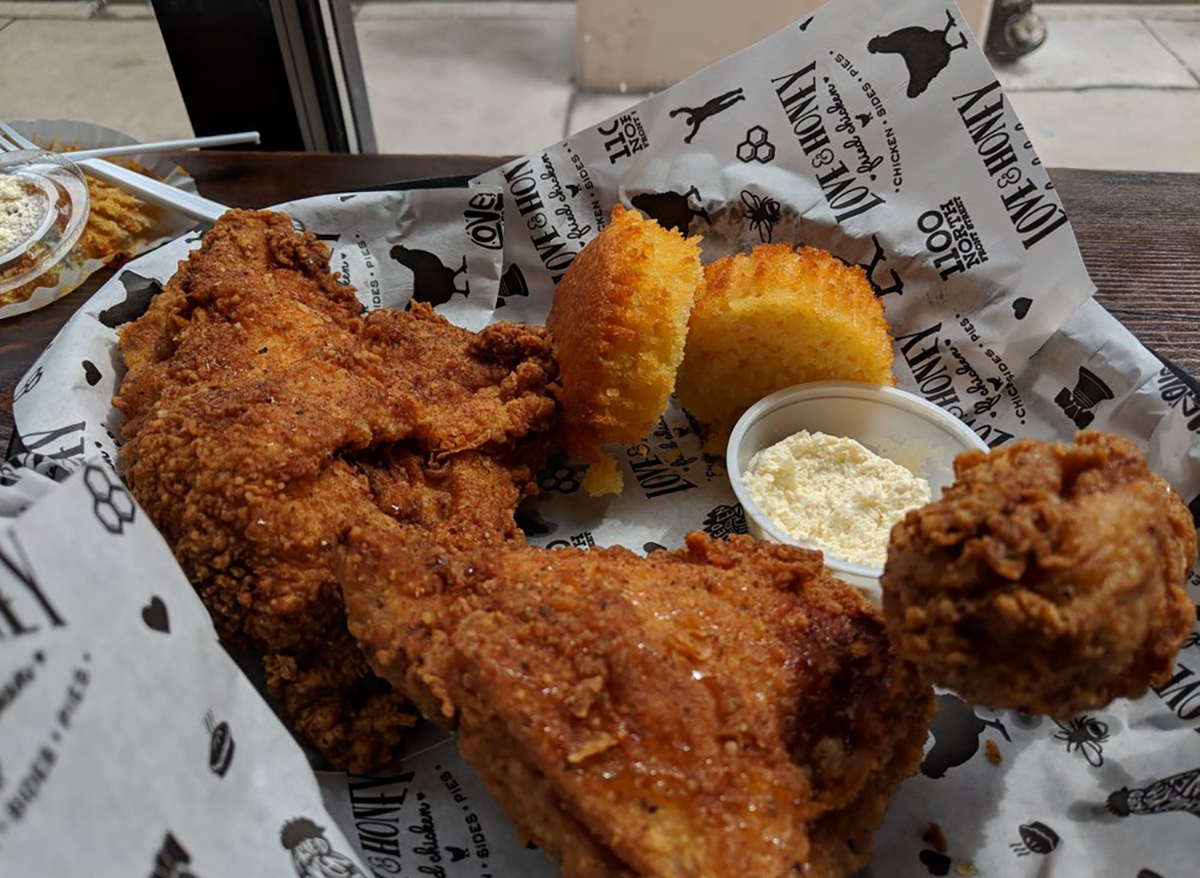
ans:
(1115, 86)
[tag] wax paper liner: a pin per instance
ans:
(874, 129)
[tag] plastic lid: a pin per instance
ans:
(59, 192)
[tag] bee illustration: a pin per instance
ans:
(1036, 838)
(763, 213)
(1086, 735)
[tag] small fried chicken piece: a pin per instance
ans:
(725, 709)
(1049, 578)
(775, 318)
(265, 416)
(618, 322)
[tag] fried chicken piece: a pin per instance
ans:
(774, 318)
(725, 709)
(264, 416)
(619, 319)
(1048, 578)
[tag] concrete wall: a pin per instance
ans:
(646, 45)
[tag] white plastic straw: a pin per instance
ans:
(164, 145)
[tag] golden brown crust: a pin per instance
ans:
(264, 416)
(723, 709)
(618, 322)
(774, 318)
(1048, 578)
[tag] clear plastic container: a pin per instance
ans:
(64, 204)
(892, 423)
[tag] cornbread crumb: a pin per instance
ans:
(992, 749)
(935, 837)
(775, 318)
(619, 320)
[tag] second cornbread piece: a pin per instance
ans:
(775, 318)
(619, 320)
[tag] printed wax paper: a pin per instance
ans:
(874, 129)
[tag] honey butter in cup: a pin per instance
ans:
(894, 424)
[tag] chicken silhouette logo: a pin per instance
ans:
(671, 210)
(697, 116)
(312, 854)
(956, 730)
(433, 282)
(1179, 792)
(138, 293)
(925, 52)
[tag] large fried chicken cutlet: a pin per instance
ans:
(265, 416)
(725, 709)
(1048, 578)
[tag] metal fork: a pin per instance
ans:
(139, 184)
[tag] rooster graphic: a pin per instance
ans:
(925, 52)
(433, 282)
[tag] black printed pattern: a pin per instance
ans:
(956, 730)
(139, 291)
(925, 52)
(1088, 393)
(1036, 838)
(312, 854)
(671, 210)
(220, 745)
(756, 147)
(112, 502)
(1179, 792)
(762, 213)
(722, 521)
(697, 116)
(172, 860)
(433, 282)
(1085, 735)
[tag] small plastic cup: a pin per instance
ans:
(63, 196)
(892, 423)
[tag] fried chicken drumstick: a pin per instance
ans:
(1048, 578)
(265, 416)
(725, 709)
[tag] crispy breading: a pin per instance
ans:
(774, 318)
(725, 709)
(1048, 578)
(264, 416)
(618, 322)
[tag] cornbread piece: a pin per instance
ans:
(265, 416)
(1049, 577)
(775, 318)
(618, 322)
(725, 709)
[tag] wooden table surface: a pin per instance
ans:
(1139, 234)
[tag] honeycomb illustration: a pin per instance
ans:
(111, 501)
(756, 147)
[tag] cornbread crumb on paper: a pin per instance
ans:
(775, 318)
(993, 752)
(619, 319)
(834, 493)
